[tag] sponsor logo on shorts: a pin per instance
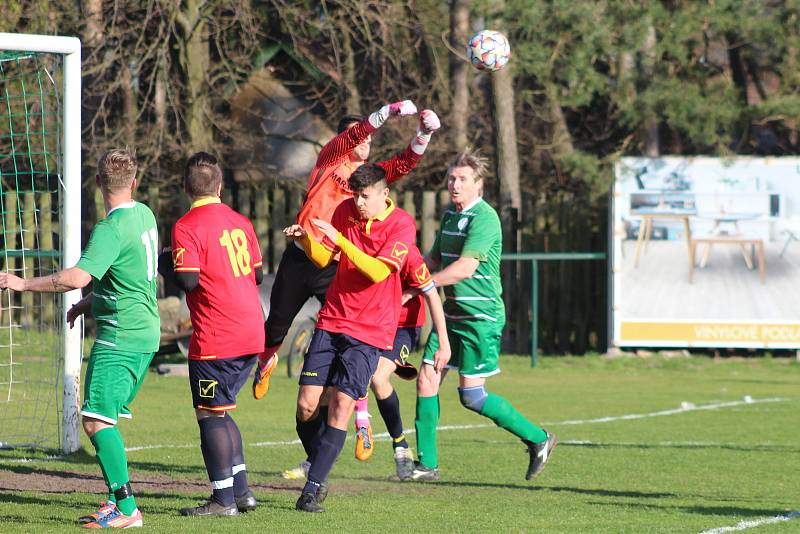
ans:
(309, 373)
(404, 353)
(207, 388)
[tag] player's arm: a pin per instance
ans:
(185, 259)
(442, 355)
(81, 307)
(320, 255)
(462, 268)
(60, 282)
(375, 269)
(401, 164)
(344, 143)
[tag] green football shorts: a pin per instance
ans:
(113, 378)
(475, 347)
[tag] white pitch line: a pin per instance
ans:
(684, 408)
(744, 525)
(384, 436)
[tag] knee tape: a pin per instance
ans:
(473, 398)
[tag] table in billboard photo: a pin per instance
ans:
(702, 254)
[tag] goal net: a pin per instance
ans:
(39, 357)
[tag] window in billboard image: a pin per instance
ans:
(706, 252)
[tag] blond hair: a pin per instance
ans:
(117, 168)
(472, 159)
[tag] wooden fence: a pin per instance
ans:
(573, 296)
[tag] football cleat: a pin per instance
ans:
(308, 503)
(404, 462)
(261, 378)
(322, 491)
(421, 473)
(246, 502)
(365, 444)
(116, 519)
(105, 509)
(210, 508)
(539, 455)
(297, 473)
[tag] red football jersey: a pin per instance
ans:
(220, 244)
(354, 305)
(415, 274)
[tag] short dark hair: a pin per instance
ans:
(347, 121)
(365, 176)
(203, 175)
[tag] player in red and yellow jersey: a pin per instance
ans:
(298, 279)
(415, 275)
(360, 315)
(217, 261)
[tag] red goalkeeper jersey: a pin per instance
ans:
(327, 184)
(354, 305)
(220, 244)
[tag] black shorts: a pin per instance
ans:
(215, 383)
(405, 341)
(296, 281)
(341, 361)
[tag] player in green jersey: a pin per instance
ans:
(120, 261)
(467, 254)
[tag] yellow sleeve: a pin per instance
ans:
(372, 268)
(316, 252)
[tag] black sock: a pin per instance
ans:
(390, 412)
(240, 486)
(310, 431)
(330, 445)
(217, 447)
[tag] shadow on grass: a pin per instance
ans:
(734, 512)
(688, 446)
(523, 487)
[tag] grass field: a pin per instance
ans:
(716, 463)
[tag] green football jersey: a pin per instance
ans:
(474, 232)
(122, 257)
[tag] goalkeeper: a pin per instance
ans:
(297, 278)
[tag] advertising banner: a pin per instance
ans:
(706, 252)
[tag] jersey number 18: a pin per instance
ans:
(235, 242)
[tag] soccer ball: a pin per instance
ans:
(488, 50)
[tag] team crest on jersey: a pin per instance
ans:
(422, 273)
(177, 256)
(462, 223)
(207, 388)
(399, 250)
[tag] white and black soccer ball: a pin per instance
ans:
(488, 50)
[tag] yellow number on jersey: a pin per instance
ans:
(235, 243)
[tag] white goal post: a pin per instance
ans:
(70, 49)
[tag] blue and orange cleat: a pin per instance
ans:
(117, 519)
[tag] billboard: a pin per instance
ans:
(706, 252)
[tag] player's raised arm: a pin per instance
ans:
(321, 255)
(401, 164)
(344, 143)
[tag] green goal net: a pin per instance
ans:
(32, 200)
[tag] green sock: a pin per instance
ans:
(114, 464)
(425, 423)
(506, 416)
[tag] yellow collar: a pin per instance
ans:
(205, 201)
(381, 216)
(385, 213)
